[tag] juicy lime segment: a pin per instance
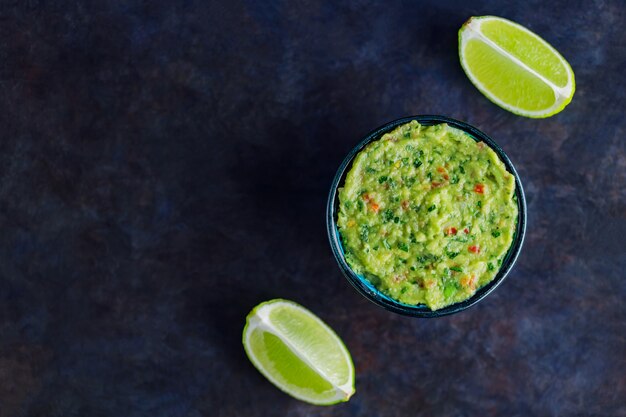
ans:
(507, 80)
(298, 353)
(529, 48)
(515, 68)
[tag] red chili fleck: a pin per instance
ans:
(405, 204)
(446, 177)
(466, 231)
(474, 249)
(451, 231)
(472, 281)
(441, 170)
(468, 281)
(479, 188)
(366, 197)
(435, 184)
(374, 207)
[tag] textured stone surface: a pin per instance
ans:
(164, 167)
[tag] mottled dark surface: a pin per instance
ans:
(164, 167)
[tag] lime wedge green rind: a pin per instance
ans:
(298, 353)
(514, 68)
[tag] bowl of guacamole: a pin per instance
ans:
(426, 216)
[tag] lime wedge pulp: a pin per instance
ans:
(515, 68)
(298, 353)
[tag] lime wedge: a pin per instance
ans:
(298, 353)
(515, 68)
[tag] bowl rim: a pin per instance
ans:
(364, 287)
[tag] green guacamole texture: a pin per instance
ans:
(427, 214)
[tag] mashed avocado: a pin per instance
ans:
(427, 214)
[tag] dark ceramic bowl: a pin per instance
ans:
(366, 288)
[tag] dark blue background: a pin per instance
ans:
(164, 167)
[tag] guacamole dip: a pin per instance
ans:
(427, 214)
